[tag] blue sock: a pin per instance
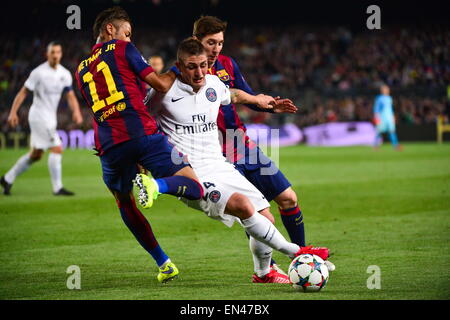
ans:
(181, 187)
(393, 137)
(293, 222)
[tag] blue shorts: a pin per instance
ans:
(153, 152)
(262, 173)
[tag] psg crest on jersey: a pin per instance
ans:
(214, 196)
(211, 94)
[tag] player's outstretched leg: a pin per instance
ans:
(264, 272)
(179, 186)
(55, 169)
(263, 230)
(378, 140)
(21, 165)
(141, 229)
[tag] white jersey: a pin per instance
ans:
(47, 85)
(190, 120)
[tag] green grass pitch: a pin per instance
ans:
(384, 208)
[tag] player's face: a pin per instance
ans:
(54, 55)
(157, 64)
(193, 70)
(213, 44)
(122, 31)
(385, 90)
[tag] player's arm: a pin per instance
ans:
(279, 105)
(13, 118)
(74, 107)
(261, 100)
(161, 82)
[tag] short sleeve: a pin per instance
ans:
(137, 61)
(224, 91)
(68, 82)
(32, 80)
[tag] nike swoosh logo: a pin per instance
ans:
(175, 100)
(168, 271)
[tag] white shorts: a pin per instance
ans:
(219, 185)
(43, 137)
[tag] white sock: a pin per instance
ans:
(19, 167)
(262, 255)
(54, 166)
(263, 230)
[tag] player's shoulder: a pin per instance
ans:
(213, 80)
(122, 42)
(41, 68)
(64, 70)
(226, 61)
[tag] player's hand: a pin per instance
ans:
(283, 106)
(376, 121)
(77, 118)
(264, 101)
(13, 120)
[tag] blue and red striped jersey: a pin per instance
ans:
(228, 72)
(110, 82)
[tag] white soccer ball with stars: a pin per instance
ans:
(308, 272)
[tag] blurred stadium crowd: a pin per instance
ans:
(333, 74)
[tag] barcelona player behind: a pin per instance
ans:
(125, 133)
(384, 118)
(252, 163)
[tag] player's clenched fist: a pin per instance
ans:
(13, 119)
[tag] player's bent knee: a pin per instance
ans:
(240, 206)
(122, 197)
(36, 155)
(266, 213)
(187, 172)
(287, 199)
(57, 149)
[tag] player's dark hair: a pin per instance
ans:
(207, 25)
(54, 43)
(190, 47)
(109, 16)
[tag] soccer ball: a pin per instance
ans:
(308, 272)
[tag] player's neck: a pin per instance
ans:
(52, 65)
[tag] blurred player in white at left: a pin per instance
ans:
(157, 63)
(48, 82)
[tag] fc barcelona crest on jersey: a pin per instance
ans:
(211, 94)
(223, 75)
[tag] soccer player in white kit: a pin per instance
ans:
(187, 113)
(48, 82)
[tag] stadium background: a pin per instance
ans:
(321, 55)
(386, 208)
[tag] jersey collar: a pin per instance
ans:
(187, 88)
